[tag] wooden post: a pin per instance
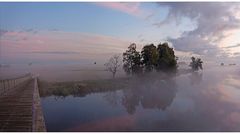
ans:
(8, 85)
(1, 90)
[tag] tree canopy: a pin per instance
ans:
(196, 64)
(166, 57)
(150, 58)
(132, 60)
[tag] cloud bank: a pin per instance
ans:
(233, 46)
(213, 21)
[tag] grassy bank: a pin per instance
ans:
(80, 88)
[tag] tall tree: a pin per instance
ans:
(196, 64)
(150, 55)
(132, 60)
(113, 64)
(166, 57)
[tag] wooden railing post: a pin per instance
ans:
(4, 87)
(8, 84)
(1, 88)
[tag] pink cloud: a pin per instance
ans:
(131, 8)
(12, 33)
(48, 45)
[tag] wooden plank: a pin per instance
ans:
(17, 111)
(20, 107)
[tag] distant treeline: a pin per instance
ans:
(151, 58)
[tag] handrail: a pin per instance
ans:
(7, 84)
(34, 105)
(38, 123)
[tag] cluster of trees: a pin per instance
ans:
(150, 58)
(196, 64)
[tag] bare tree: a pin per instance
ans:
(113, 64)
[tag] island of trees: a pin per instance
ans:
(151, 58)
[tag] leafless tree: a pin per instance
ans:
(113, 64)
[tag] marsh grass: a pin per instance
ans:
(80, 88)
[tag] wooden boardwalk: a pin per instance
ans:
(19, 108)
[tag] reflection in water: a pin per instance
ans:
(190, 102)
(150, 93)
(121, 123)
(112, 97)
(59, 97)
(195, 78)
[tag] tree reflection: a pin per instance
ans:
(151, 94)
(195, 78)
(56, 98)
(130, 100)
(112, 98)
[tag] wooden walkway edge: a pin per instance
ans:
(38, 118)
(20, 108)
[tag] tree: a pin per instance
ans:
(132, 60)
(113, 64)
(150, 55)
(166, 57)
(196, 64)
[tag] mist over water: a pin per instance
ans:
(60, 72)
(120, 66)
(207, 100)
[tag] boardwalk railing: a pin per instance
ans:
(38, 123)
(8, 84)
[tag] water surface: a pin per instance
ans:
(208, 100)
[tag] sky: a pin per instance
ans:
(87, 31)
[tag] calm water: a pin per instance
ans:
(203, 101)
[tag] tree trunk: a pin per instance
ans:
(114, 75)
